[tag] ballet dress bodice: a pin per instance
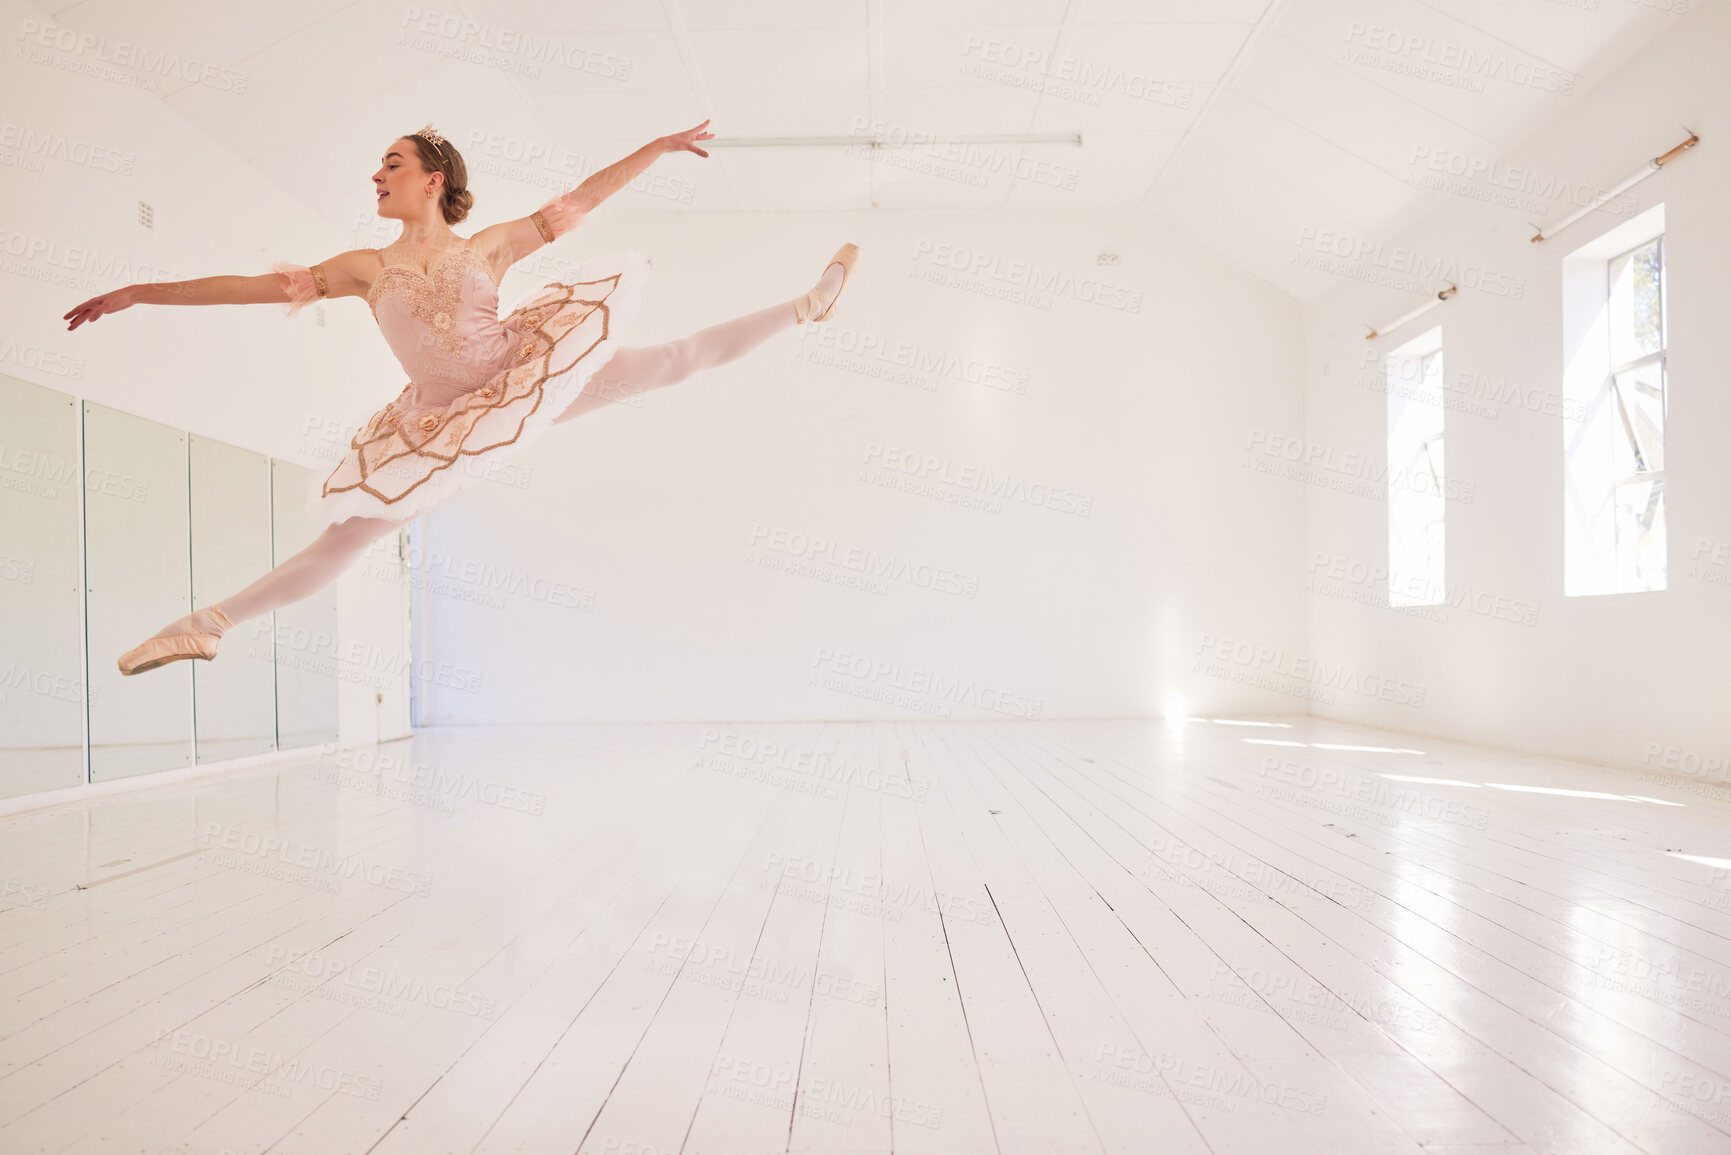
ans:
(480, 386)
(443, 325)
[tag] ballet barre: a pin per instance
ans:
(1380, 330)
(1611, 194)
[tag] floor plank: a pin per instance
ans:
(916, 937)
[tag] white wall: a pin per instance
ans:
(245, 375)
(653, 508)
(1604, 678)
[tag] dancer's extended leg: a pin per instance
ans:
(308, 571)
(301, 576)
(636, 369)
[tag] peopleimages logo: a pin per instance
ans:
(1446, 60)
(229, 841)
(1528, 188)
(1070, 77)
(225, 1060)
(930, 469)
(1175, 1074)
(44, 683)
(333, 975)
(1372, 791)
(856, 350)
(868, 564)
(1336, 575)
(1663, 754)
(43, 144)
(41, 359)
(731, 750)
(1253, 665)
(87, 46)
(1356, 256)
(1350, 472)
(1019, 274)
(482, 42)
(904, 685)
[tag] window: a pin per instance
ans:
(1415, 472)
(1614, 412)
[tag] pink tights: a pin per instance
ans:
(635, 370)
(628, 372)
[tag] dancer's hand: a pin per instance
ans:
(687, 140)
(95, 307)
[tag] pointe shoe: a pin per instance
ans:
(186, 640)
(806, 307)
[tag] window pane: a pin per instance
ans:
(1640, 514)
(1641, 398)
(1637, 303)
(1415, 472)
(1613, 422)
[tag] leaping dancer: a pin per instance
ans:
(480, 386)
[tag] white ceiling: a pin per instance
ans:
(1259, 124)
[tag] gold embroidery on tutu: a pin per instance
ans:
(441, 438)
(432, 296)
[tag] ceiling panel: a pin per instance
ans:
(782, 179)
(557, 64)
(1171, 11)
(628, 114)
(955, 109)
(1120, 121)
(794, 61)
(971, 13)
(1303, 168)
(995, 57)
(317, 74)
(1240, 121)
(538, 17)
(1135, 62)
(1588, 38)
(737, 15)
(201, 30)
(1232, 204)
(337, 159)
(1434, 61)
(765, 112)
(1099, 174)
(1351, 112)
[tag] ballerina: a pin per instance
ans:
(480, 387)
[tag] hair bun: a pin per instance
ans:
(457, 203)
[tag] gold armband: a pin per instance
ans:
(541, 226)
(319, 280)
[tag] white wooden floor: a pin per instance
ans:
(919, 938)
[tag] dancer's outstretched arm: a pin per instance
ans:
(507, 243)
(344, 275)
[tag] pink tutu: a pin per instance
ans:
(481, 386)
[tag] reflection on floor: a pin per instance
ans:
(1061, 936)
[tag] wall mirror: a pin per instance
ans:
(41, 598)
(234, 697)
(137, 567)
(306, 631)
(111, 527)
